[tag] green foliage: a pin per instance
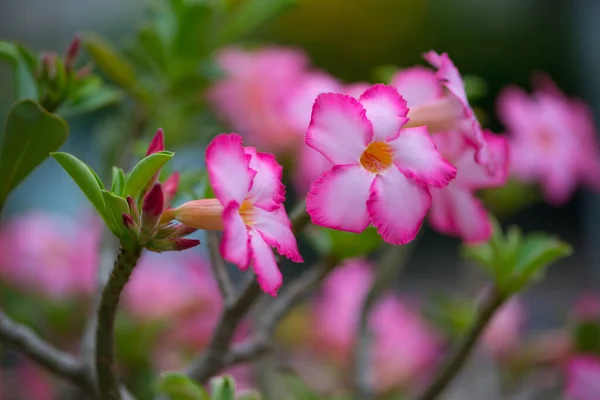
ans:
(514, 260)
(475, 86)
(587, 337)
(222, 388)
(30, 134)
(143, 171)
(344, 245)
(180, 387)
(115, 207)
(24, 65)
(452, 315)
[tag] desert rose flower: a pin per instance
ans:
(553, 140)
(583, 377)
(381, 173)
(438, 100)
(455, 209)
(505, 330)
(248, 209)
(50, 255)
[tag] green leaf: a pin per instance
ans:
(154, 47)
(118, 181)
(179, 387)
(24, 65)
(344, 244)
(249, 395)
(193, 32)
(115, 207)
(222, 388)
(30, 134)
(297, 388)
(587, 337)
(250, 15)
(86, 179)
(90, 94)
(111, 62)
(143, 171)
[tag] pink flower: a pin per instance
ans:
(169, 288)
(438, 100)
(455, 209)
(587, 307)
(404, 346)
(248, 209)
(255, 93)
(583, 378)
(504, 332)
(381, 172)
(50, 255)
(553, 140)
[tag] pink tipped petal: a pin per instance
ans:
(397, 206)
(583, 378)
(236, 241)
(418, 85)
(339, 128)
(276, 230)
(418, 158)
(338, 199)
(473, 175)
(448, 73)
(228, 168)
(386, 110)
(267, 190)
(457, 212)
(264, 265)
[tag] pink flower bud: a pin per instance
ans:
(170, 187)
(133, 208)
(152, 208)
(172, 244)
(72, 52)
(158, 142)
(127, 220)
(49, 64)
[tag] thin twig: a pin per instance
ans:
(219, 268)
(391, 264)
(54, 360)
(213, 360)
(493, 300)
(108, 386)
(276, 311)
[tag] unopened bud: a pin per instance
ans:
(72, 52)
(133, 208)
(49, 65)
(152, 208)
(127, 220)
(172, 244)
(175, 230)
(158, 142)
(170, 187)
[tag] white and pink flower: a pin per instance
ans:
(248, 209)
(455, 209)
(381, 173)
(553, 140)
(583, 377)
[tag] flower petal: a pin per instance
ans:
(264, 265)
(338, 199)
(236, 241)
(228, 170)
(417, 157)
(386, 110)
(397, 206)
(473, 175)
(276, 229)
(267, 190)
(457, 212)
(583, 377)
(418, 85)
(339, 128)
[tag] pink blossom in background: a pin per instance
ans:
(404, 346)
(381, 173)
(249, 209)
(505, 331)
(437, 99)
(253, 96)
(51, 255)
(583, 378)
(455, 209)
(587, 307)
(553, 140)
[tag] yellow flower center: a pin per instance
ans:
(247, 213)
(377, 157)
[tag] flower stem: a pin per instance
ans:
(491, 303)
(108, 387)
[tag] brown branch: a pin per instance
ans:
(219, 268)
(491, 303)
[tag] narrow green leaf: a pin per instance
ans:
(180, 387)
(111, 62)
(118, 181)
(143, 171)
(23, 70)
(86, 179)
(222, 388)
(115, 207)
(535, 255)
(250, 15)
(30, 134)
